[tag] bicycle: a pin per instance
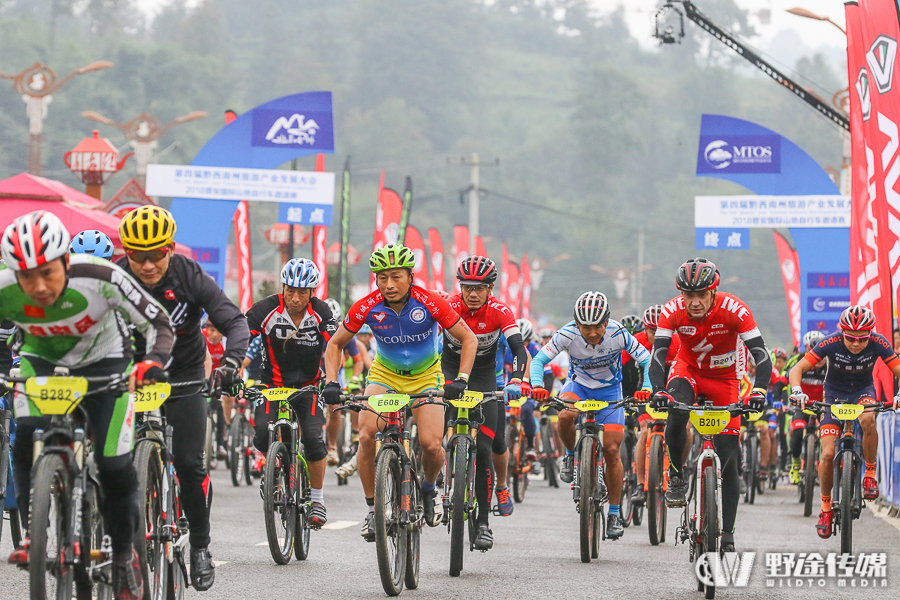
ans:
(549, 449)
(656, 476)
(519, 465)
(7, 485)
(286, 501)
(240, 442)
(399, 512)
(750, 454)
(809, 464)
(630, 512)
(459, 475)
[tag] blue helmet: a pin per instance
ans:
(93, 242)
(365, 329)
(300, 273)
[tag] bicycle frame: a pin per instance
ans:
(285, 419)
(657, 428)
(464, 427)
(848, 444)
(708, 456)
(395, 438)
(589, 428)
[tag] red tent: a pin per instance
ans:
(78, 211)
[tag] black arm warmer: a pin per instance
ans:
(520, 354)
(757, 348)
(658, 362)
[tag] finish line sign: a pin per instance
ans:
(309, 194)
(771, 211)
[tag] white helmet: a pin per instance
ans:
(300, 273)
(33, 240)
(335, 307)
(812, 339)
(526, 329)
(591, 308)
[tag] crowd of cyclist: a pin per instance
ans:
(64, 305)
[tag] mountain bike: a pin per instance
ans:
(459, 475)
(286, 492)
(516, 440)
(549, 448)
(656, 476)
(630, 512)
(750, 455)
(399, 512)
(347, 442)
(240, 442)
(7, 487)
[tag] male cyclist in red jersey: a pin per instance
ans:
(852, 353)
(710, 323)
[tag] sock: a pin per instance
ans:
(370, 504)
(614, 510)
(501, 488)
(317, 495)
(870, 469)
(570, 452)
(427, 486)
(826, 503)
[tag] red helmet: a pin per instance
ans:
(779, 353)
(857, 318)
(476, 270)
(33, 240)
(697, 275)
(651, 316)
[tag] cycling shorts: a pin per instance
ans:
(612, 419)
(800, 419)
(430, 379)
(722, 391)
(829, 425)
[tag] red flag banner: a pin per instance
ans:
(872, 34)
(413, 241)
(242, 245)
(790, 276)
(437, 259)
(480, 250)
(460, 249)
(513, 287)
(525, 293)
(320, 244)
(387, 219)
(504, 276)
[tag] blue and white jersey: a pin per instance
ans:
(592, 367)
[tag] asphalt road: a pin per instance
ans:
(535, 554)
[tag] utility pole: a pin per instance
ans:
(473, 202)
(639, 285)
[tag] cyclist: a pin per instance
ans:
(68, 310)
(709, 323)
(294, 327)
(354, 363)
(530, 412)
(632, 323)
(216, 350)
(490, 319)
(404, 319)
(595, 344)
(852, 352)
(93, 242)
(181, 286)
(811, 384)
(777, 439)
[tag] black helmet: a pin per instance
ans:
(476, 270)
(697, 275)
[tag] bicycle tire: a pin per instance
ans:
(587, 472)
(236, 462)
(710, 519)
(549, 451)
(599, 529)
(809, 475)
(50, 489)
(413, 541)
(458, 514)
(151, 502)
(656, 494)
(93, 524)
(391, 565)
(752, 469)
(15, 527)
(177, 572)
(848, 478)
(209, 451)
(302, 531)
(278, 509)
(248, 452)
(628, 483)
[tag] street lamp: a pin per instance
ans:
(802, 12)
(94, 160)
(143, 132)
(36, 84)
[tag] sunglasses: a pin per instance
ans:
(856, 338)
(473, 288)
(141, 256)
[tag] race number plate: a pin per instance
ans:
(151, 397)
(847, 412)
(517, 403)
(754, 416)
(710, 422)
(56, 395)
(657, 414)
(383, 403)
(470, 399)
(278, 394)
(588, 405)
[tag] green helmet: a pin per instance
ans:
(392, 256)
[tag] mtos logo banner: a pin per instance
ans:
(739, 154)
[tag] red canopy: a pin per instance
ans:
(25, 193)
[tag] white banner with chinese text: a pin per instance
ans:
(771, 211)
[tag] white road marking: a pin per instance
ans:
(340, 524)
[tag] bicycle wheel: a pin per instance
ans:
(176, 571)
(151, 519)
(549, 449)
(413, 541)
(751, 468)
(710, 519)
(848, 478)
(281, 514)
(50, 509)
(390, 538)
(809, 474)
(15, 527)
(587, 473)
(94, 529)
(236, 450)
(209, 450)
(628, 484)
(458, 505)
(656, 493)
(301, 543)
(247, 445)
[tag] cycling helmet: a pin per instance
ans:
(365, 329)
(632, 323)
(92, 242)
(857, 318)
(336, 310)
(651, 316)
(546, 332)
(812, 339)
(591, 308)
(779, 353)
(392, 256)
(300, 273)
(526, 329)
(697, 275)
(440, 293)
(147, 228)
(33, 240)
(477, 269)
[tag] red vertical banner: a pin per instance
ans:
(513, 287)
(460, 249)
(504, 276)
(525, 293)
(320, 244)
(872, 34)
(790, 276)
(242, 247)
(437, 259)
(414, 242)
(480, 250)
(387, 219)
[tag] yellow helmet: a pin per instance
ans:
(147, 228)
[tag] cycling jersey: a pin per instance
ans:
(641, 337)
(216, 351)
(849, 373)
(489, 322)
(7, 328)
(502, 348)
(592, 367)
(292, 352)
(87, 323)
(408, 341)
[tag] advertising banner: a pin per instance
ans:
(739, 154)
(771, 211)
(280, 128)
(460, 249)
(525, 277)
(414, 242)
(722, 238)
(437, 259)
(388, 213)
(790, 276)
(480, 250)
(320, 257)
(504, 276)
(244, 263)
(513, 287)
